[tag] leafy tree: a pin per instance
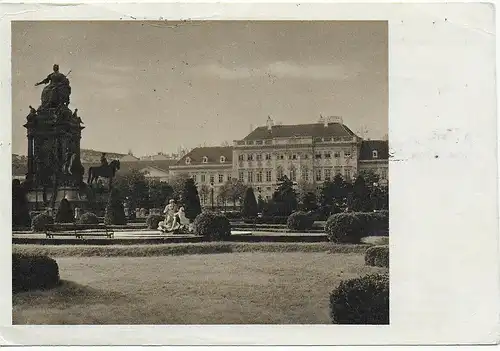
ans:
(261, 203)
(223, 195)
(309, 202)
(303, 188)
(360, 195)
(379, 197)
(20, 210)
(190, 199)
(285, 197)
(333, 194)
(115, 213)
(250, 208)
(134, 186)
(178, 182)
(159, 193)
(235, 190)
(370, 177)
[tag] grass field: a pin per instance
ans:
(228, 288)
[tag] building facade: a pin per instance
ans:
(210, 167)
(311, 153)
(374, 156)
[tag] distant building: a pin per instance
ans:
(159, 157)
(308, 152)
(374, 156)
(210, 167)
(158, 169)
(129, 158)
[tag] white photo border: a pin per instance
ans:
(444, 271)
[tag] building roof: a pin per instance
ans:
(19, 168)
(301, 130)
(368, 146)
(213, 154)
(128, 158)
(163, 165)
(128, 166)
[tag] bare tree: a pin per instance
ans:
(204, 192)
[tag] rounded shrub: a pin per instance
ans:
(40, 222)
(64, 212)
(344, 228)
(212, 226)
(300, 221)
(88, 218)
(153, 220)
(377, 256)
(363, 300)
(33, 272)
(382, 221)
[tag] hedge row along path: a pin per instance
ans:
(182, 249)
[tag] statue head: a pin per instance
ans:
(55, 67)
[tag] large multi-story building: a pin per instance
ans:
(312, 153)
(210, 167)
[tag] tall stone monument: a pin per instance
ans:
(54, 132)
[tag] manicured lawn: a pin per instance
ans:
(226, 288)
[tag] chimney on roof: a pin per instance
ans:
(323, 120)
(336, 119)
(269, 123)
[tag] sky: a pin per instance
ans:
(152, 87)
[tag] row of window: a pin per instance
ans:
(267, 176)
(211, 178)
(318, 155)
(292, 140)
(260, 157)
(222, 159)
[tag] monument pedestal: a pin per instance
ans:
(76, 198)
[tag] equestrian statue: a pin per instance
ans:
(105, 170)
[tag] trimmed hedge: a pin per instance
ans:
(363, 300)
(40, 221)
(377, 256)
(33, 272)
(344, 228)
(233, 214)
(374, 223)
(88, 218)
(212, 226)
(153, 220)
(300, 221)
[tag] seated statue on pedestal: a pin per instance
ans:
(57, 92)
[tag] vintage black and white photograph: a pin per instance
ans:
(200, 172)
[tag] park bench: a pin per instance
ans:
(78, 230)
